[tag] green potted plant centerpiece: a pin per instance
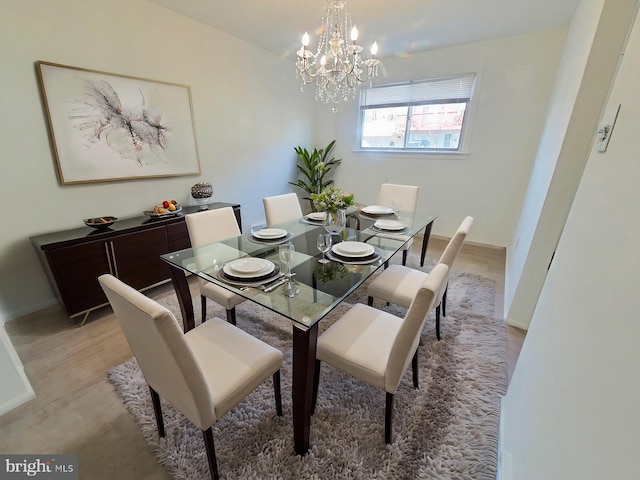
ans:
(313, 167)
(334, 202)
(332, 199)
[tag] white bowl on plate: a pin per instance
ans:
(353, 249)
(389, 225)
(249, 267)
(317, 216)
(378, 210)
(270, 233)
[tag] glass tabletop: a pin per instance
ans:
(321, 287)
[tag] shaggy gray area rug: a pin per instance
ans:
(447, 429)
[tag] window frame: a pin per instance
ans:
(409, 104)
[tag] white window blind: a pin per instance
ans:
(438, 90)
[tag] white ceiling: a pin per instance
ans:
(400, 27)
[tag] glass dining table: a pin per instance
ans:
(321, 286)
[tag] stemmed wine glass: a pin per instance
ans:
(287, 253)
(324, 244)
(334, 222)
(396, 205)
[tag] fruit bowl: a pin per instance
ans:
(100, 222)
(164, 210)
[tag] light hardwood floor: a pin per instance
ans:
(77, 410)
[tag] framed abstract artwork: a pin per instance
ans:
(107, 127)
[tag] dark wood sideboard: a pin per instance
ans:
(130, 249)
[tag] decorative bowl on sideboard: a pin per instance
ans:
(100, 222)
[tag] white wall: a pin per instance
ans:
(515, 77)
(571, 411)
(589, 60)
(247, 115)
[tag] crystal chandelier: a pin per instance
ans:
(337, 68)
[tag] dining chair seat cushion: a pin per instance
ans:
(223, 297)
(397, 284)
(231, 375)
(360, 344)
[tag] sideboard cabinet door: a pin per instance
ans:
(136, 257)
(76, 270)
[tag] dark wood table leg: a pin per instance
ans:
(425, 243)
(181, 286)
(304, 359)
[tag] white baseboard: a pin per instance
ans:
(512, 323)
(33, 308)
(16, 401)
(503, 471)
(16, 388)
(500, 433)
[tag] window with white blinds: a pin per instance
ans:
(423, 115)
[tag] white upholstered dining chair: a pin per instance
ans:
(203, 373)
(407, 195)
(399, 284)
(281, 208)
(207, 227)
(377, 347)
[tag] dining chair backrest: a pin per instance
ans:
(407, 194)
(158, 344)
(454, 246)
(212, 226)
(408, 337)
(281, 208)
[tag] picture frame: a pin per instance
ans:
(109, 127)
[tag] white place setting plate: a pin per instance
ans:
(377, 210)
(317, 216)
(248, 267)
(353, 249)
(270, 233)
(314, 218)
(372, 257)
(393, 225)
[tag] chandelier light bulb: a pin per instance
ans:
(305, 39)
(354, 34)
(374, 49)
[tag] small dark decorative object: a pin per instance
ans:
(202, 192)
